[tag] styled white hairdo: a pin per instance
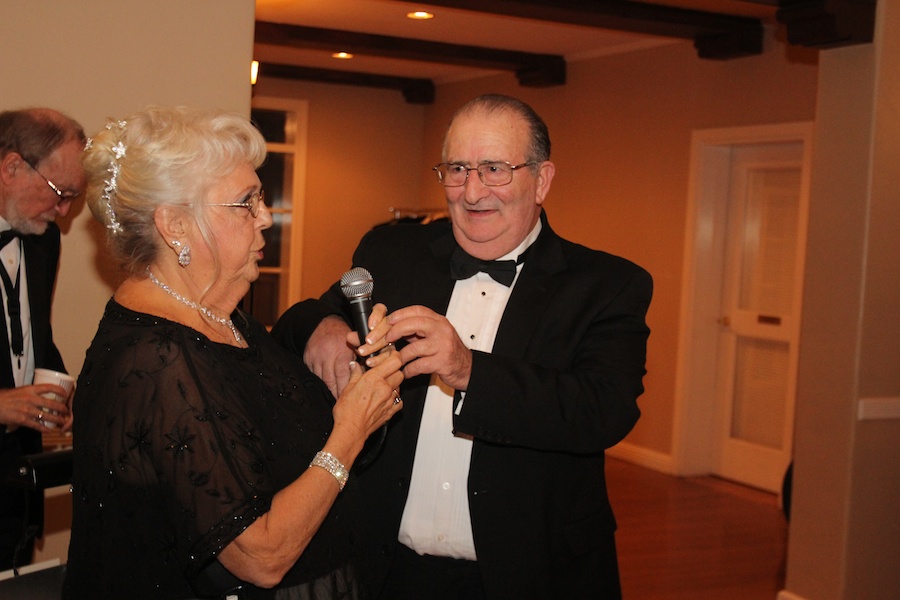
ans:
(161, 155)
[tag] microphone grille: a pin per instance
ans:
(357, 283)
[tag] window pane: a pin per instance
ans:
(760, 389)
(269, 294)
(770, 248)
(274, 125)
(276, 176)
(276, 238)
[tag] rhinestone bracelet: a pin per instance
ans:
(330, 463)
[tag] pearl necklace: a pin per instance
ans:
(198, 307)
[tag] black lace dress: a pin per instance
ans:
(180, 444)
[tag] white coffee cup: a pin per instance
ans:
(63, 380)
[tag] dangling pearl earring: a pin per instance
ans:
(184, 256)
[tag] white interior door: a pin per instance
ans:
(744, 255)
(760, 310)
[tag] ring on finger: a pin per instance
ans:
(40, 415)
(397, 398)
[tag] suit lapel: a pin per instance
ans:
(535, 287)
(36, 264)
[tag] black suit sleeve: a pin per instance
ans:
(294, 328)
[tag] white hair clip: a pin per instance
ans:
(111, 186)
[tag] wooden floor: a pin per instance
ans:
(697, 538)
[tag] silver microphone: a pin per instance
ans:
(357, 286)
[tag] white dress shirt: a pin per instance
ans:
(436, 517)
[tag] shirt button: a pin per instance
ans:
(446, 485)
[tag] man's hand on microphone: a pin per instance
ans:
(328, 353)
(378, 329)
(433, 345)
(331, 348)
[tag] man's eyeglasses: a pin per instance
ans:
(252, 203)
(491, 174)
(64, 195)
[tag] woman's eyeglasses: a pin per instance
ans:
(252, 203)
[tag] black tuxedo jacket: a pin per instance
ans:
(41, 260)
(558, 388)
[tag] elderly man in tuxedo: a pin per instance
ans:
(524, 355)
(40, 175)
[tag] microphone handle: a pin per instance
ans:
(361, 309)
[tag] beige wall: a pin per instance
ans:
(845, 535)
(113, 59)
(109, 60)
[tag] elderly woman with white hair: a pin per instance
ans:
(207, 460)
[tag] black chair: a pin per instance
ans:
(33, 474)
(38, 472)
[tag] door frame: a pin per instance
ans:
(694, 427)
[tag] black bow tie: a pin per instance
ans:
(8, 236)
(463, 266)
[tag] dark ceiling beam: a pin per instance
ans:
(828, 23)
(532, 70)
(811, 23)
(715, 36)
(415, 91)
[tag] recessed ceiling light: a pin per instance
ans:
(341, 55)
(420, 14)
